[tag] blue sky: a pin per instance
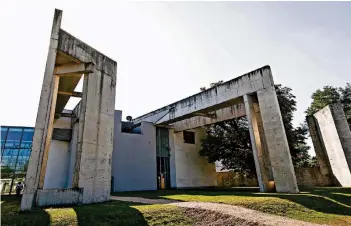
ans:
(168, 50)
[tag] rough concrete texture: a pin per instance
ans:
(319, 148)
(278, 148)
(57, 165)
(343, 129)
(192, 170)
(221, 96)
(258, 142)
(42, 120)
(223, 114)
(172, 159)
(134, 158)
(93, 152)
(333, 134)
(58, 197)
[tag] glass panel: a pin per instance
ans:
(27, 138)
(13, 138)
(3, 135)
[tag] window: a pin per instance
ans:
(189, 137)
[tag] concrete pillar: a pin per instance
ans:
(258, 143)
(278, 148)
(321, 154)
(335, 135)
(343, 130)
(42, 129)
(95, 140)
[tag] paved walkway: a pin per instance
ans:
(235, 211)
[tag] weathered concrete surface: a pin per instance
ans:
(57, 165)
(224, 95)
(43, 118)
(223, 114)
(333, 134)
(321, 154)
(278, 148)
(192, 170)
(58, 197)
(134, 158)
(172, 159)
(69, 57)
(343, 130)
(258, 142)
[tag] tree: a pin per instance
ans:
(229, 141)
(329, 95)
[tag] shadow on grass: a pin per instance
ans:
(326, 200)
(107, 213)
(10, 214)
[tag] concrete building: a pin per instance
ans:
(77, 153)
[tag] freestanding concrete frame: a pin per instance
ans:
(253, 95)
(92, 122)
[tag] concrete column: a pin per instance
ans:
(334, 137)
(278, 148)
(96, 133)
(343, 130)
(43, 119)
(258, 143)
(321, 155)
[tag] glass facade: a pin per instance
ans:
(16, 144)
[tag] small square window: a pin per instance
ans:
(189, 137)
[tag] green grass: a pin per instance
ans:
(320, 205)
(108, 213)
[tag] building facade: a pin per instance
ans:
(16, 145)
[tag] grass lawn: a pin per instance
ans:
(108, 213)
(318, 205)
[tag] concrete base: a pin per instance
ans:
(59, 197)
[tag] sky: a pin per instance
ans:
(166, 51)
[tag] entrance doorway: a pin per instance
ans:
(162, 158)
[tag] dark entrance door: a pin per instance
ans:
(163, 154)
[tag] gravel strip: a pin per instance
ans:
(244, 213)
(239, 212)
(143, 200)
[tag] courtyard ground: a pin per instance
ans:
(320, 205)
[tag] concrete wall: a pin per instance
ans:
(235, 179)
(134, 158)
(57, 166)
(72, 156)
(328, 132)
(312, 177)
(192, 170)
(58, 197)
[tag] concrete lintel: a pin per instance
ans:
(72, 94)
(215, 98)
(74, 69)
(235, 111)
(209, 115)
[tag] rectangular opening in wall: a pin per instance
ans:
(189, 137)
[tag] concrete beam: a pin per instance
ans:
(215, 98)
(74, 69)
(223, 114)
(72, 94)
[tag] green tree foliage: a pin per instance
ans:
(329, 95)
(229, 141)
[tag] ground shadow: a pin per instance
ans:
(107, 213)
(10, 214)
